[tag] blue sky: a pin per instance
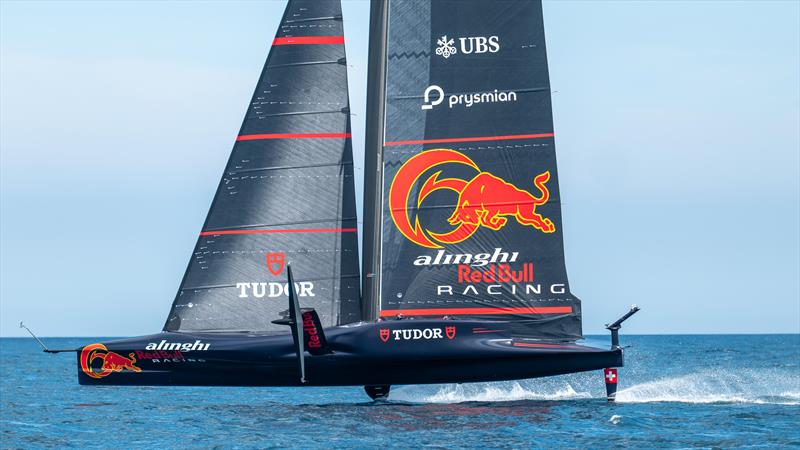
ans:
(677, 126)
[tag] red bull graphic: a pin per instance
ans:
(483, 201)
(112, 362)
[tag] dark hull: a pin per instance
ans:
(383, 353)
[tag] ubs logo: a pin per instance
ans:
(467, 45)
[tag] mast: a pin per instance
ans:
(373, 153)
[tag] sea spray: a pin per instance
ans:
(487, 392)
(719, 386)
(765, 386)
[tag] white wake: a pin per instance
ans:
(765, 386)
(740, 386)
(483, 392)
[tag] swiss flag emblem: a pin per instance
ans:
(450, 332)
(611, 376)
(275, 262)
(384, 333)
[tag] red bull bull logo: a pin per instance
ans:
(111, 362)
(485, 200)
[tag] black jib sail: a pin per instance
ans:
(286, 195)
(462, 165)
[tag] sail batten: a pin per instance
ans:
(469, 139)
(286, 194)
(263, 136)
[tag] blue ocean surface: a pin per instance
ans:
(709, 391)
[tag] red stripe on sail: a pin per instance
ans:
(304, 40)
(256, 137)
(476, 311)
(471, 139)
(532, 345)
(290, 230)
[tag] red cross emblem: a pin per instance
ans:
(611, 376)
(275, 262)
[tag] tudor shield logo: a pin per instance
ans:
(484, 200)
(450, 332)
(384, 334)
(275, 262)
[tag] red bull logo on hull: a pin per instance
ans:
(111, 362)
(483, 201)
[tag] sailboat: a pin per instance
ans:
(463, 276)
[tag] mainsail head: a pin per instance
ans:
(287, 193)
(467, 183)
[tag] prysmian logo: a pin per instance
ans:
(468, 45)
(434, 95)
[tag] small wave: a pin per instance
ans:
(739, 386)
(27, 424)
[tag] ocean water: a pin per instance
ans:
(707, 391)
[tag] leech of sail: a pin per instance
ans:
(476, 311)
(304, 40)
(292, 230)
(471, 139)
(255, 137)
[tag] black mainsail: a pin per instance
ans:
(287, 193)
(461, 164)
